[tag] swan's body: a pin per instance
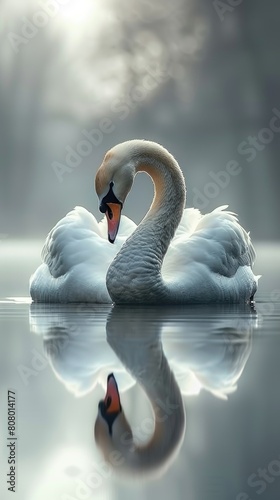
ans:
(173, 256)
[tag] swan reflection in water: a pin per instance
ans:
(204, 348)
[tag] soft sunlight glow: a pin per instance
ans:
(78, 13)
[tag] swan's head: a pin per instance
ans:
(113, 182)
(112, 432)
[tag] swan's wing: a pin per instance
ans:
(215, 240)
(71, 242)
(188, 224)
(76, 257)
(79, 239)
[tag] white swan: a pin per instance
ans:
(208, 259)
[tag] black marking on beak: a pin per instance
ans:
(109, 198)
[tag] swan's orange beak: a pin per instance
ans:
(112, 399)
(113, 215)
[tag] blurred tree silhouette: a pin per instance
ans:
(215, 83)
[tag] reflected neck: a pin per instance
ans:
(169, 416)
(143, 357)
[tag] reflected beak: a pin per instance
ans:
(112, 399)
(113, 215)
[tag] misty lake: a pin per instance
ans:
(210, 374)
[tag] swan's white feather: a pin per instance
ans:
(212, 247)
(215, 239)
(76, 256)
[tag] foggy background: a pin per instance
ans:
(200, 77)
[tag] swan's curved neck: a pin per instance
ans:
(135, 274)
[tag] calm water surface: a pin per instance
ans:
(212, 374)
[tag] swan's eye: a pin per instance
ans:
(103, 207)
